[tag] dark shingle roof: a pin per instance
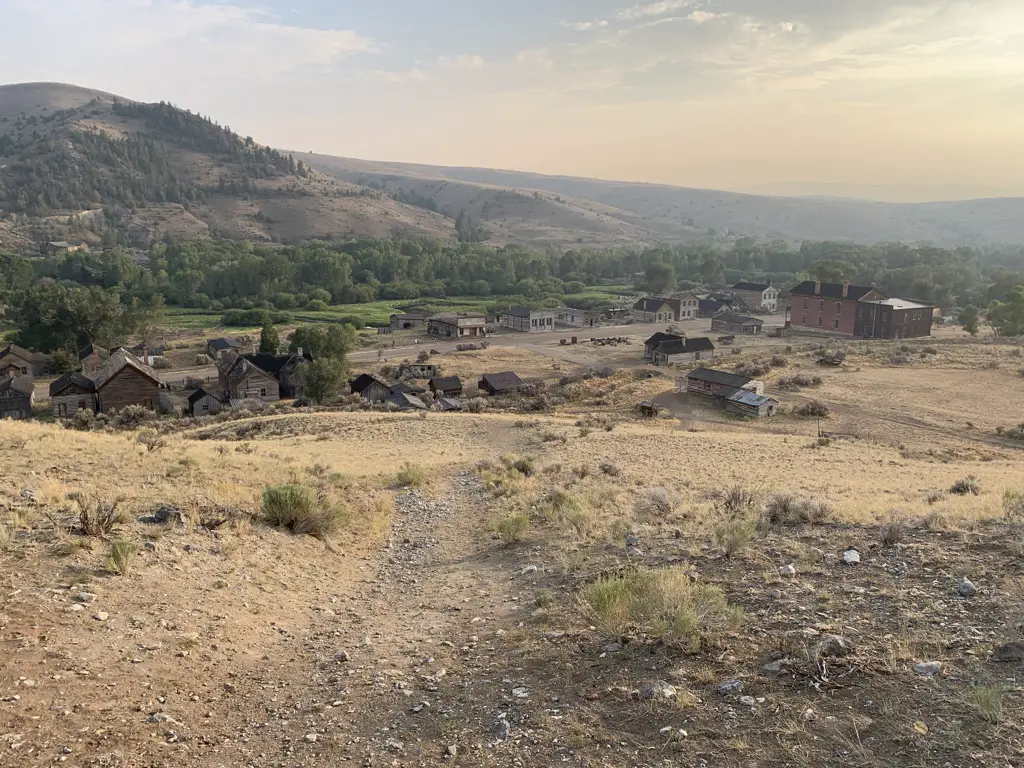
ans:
(275, 364)
(90, 349)
(223, 343)
(405, 400)
(119, 361)
(75, 377)
(21, 384)
(409, 389)
(832, 290)
(737, 319)
(660, 337)
(445, 383)
(506, 381)
(198, 395)
(685, 346)
(650, 305)
(517, 311)
(449, 404)
(711, 305)
(719, 377)
(759, 287)
(364, 380)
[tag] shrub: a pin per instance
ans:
(612, 470)
(893, 532)
(966, 486)
(525, 465)
(475, 405)
(665, 604)
(411, 476)
(987, 701)
(96, 518)
(1013, 504)
(83, 420)
(513, 528)
(733, 536)
(131, 416)
(656, 502)
(302, 510)
(121, 556)
(799, 381)
(813, 409)
(929, 351)
(899, 359)
(161, 363)
(316, 305)
(201, 360)
(783, 509)
(778, 361)
(152, 439)
(736, 502)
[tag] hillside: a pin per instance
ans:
(87, 165)
(677, 213)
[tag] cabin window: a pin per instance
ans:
(839, 307)
(819, 321)
(821, 305)
(263, 392)
(805, 303)
(24, 370)
(206, 406)
(835, 323)
(62, 409)
(803, 321)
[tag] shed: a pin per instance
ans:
(419, 370)
(503, 383)
(706, 381)
(406, 321)
(370, 388)
(406, 402)
(125, 380)
(449, 386)
(202, 403)
(406, 388)
(16, 397)
(71, 393)
(449, 404)
(215, 348)
(736, 323)
(652, 343)
(684, 351)
(751, 404)
(91, 357)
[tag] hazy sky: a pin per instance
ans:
(924, 97)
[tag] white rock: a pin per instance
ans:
(928, 668)
(851, 557)
(788, 570)
(965, 588)
(658, 690)
(310, 737)
(747, 701)
(520, 692)
(101, 616)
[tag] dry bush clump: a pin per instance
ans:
(524, 465)
(152, 440)
(966, 486)
(131, 416)
(666, 605)
(1013, 505)
(95, 518)
(894, 531)
(987, 701)
(302, 510)
(610, 469)
(735, 502)
(121, 556)
(411, 476)
(513, 529)
(799, 381)
(734, 536)
(784, 509)
(656, 502)
(814, 409)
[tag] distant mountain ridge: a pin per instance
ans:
(678, 213)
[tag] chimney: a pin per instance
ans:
(846, 288)
(817, 287)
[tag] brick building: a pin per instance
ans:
(828, 306)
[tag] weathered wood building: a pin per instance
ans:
(712, 383)
(419, 370)
(370, 388)
(457, 325)
(71, 393)
(17, 361)
(16, 395)
(91, 357)
(575, 318)
(217, 348)
(657, 339)
(407, 321)
(447, 386)
(202, 403)
(758, 296)
(751, 404)
(654, 310)
(527, 320)
(241, 379)
(125, 380)
(675, 351)
(503, 383)
(733, 322)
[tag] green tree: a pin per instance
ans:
(322, 378)
(660, 277)
(333, 341)
(269, 340)
(1007, 317)
(969, 319)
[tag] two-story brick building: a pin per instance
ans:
(829, 306)
(893, 319)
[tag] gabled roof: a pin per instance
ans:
(364, 381)
(650, 304)
(405, 400)
(685, 346)
(833, 291)
(91, 349)
(747, 397)
(198, 395)
(223, 343)
(75, 377)
(445, 383)
(711, 305)
(117, 362)
(758, 287)
(719, 377)
(660, 337)
(506, 381)
(20, 384)
(409, 389)
(410, 315)
(454, 318)
(277, 364)
(449, 404)
(737, 319)
(517, 311)
(23, 354)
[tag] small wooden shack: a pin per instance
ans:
(16, 397)
(449, 386)
(419, 370)
(403, 401)
(751, 404)
(733, 322)
(503, 383)
(71, 393)
(684, 351)
(202, 403)
(712, 383)
(370, 388)
(125, 380)
(656, 340)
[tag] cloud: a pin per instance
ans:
(534, 57)
(585, 26)
(463, 61)
(659, 8)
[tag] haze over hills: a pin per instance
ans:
(114, 166)
(78, 163)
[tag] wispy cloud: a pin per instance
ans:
(464, 61)
(585, 26)
(659, 8)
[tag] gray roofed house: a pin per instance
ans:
(502, 383)
(736, 323)
(449, 404)
(450, 386)
(71, 393)
(527, 320)
(216, 348)
(203, 403)
(675, 351)
(16, 396)
(405, 401)
(652, 343)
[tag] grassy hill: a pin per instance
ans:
(660, 212)
(83, 164)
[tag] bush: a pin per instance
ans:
(316, 305)
(666, 604)
(966, 486)
(524, 466)
(475, 405)
(813, 409)
(799, 381)
(83, 420)
(202, 360)
(899, 359)
(736, 502)
(783, 509)
(1013, 505)
(893, 532)
(778, 361)
(152, 439)
(612, 470)
(161, 363)
(656, 502)
(131, 416)
(513, 528)
(121, 556)
(302, 510)
(733, 536)
(96, 518)
(411, 476)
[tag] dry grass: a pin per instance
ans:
(514, 528)
(302, 510)
(121, 556)
(987, 701)
(411, 476)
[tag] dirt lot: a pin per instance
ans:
(574, 585)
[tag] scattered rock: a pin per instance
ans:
(84, 597)
(451, 752)
(310, 738)
(658, 690)
(928, 668)
(775, 594)
(611, 648)
(101, 616)
(342, 656)
(853, 589)
(167, 513)
(1012, 651)
(965, 588)
(832, 645)
(729, 687)
(160, 717)
(774, 667)
(788, 570)
(28, 683)
(527, 570)
(76, 607)
(500, 729)
(851, 556)
(748, 701)
(420, 706)
(520, 692)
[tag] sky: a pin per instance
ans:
(886, 99)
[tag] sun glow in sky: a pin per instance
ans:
(919, 99)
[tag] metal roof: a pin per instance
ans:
(747, 397)
(719, 377)
(899, 303)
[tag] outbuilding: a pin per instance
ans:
(202, 403)
(751, 404)
(503, 383)
(733, 322)
(71, 393)
(676, 351)
(370, 388)
(16, 397)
